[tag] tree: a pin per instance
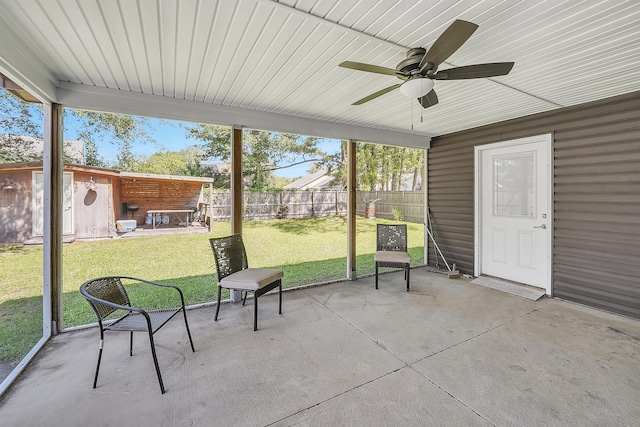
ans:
(381, 167)
(19, 119)
(184, 162)
(262, 152)
(121, 129)
(336, 165)
(368, 166)
(91, 155)
(277, 182)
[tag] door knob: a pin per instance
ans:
(543, 226)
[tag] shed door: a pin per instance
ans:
(38, 203)
(514, 208)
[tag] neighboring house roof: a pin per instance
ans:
(317, 180)
(217, 168)
(34, 147)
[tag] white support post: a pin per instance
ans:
(351, 210)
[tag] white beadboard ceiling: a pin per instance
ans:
(274, 64)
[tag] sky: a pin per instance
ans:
(170, 136)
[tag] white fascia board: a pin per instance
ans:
(124, 102)
(21, 65)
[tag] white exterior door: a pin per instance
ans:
(513, 211)
(38, 203)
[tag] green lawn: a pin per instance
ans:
(309, 250)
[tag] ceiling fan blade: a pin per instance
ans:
(368, 67)
(448, 42)
(429, 99)
(475, 71)
(376, 94)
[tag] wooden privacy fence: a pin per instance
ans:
(306, 203)
(409, 203)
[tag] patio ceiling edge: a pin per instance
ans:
(112, 100)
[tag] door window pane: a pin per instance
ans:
(514, 189)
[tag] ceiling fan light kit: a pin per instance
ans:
(420, 68)
(416, 86)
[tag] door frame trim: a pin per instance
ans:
(477, 217)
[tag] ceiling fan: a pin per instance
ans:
(420, 68)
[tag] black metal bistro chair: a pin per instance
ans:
(234, 273)
(391, 249)
(107, 295)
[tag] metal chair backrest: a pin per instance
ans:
(230, 255)
(391, 237)
(107, 289)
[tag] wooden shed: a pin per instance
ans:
(93, 198)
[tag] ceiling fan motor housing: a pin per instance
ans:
(411, 62)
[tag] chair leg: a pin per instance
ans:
(131, 343)
(376, 275)
(95, 378)
(280, 298)
(155, 361)
(184, 312)
(244, 300)
(218, 305)
(407, 270)
(255, 311)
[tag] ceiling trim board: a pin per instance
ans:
(79, 96)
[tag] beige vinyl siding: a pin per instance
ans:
(596, 151)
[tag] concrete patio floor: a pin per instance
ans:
(447, 353)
